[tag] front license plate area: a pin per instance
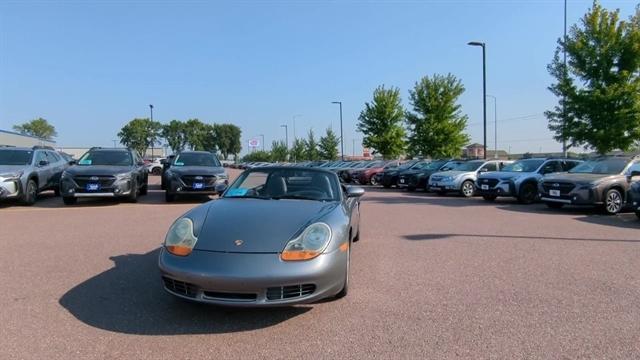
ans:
(198, 186)
(93, 187)
(401, 181)
(484, 187)
(554, 192)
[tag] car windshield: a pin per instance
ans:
(469, 166)
(523, 166)
(601, 166)
(195, 159)
(293, 183)
(108, 158)
(15, 157)
(374, 164)
(434, 165)
(451, 165)
(408, 165)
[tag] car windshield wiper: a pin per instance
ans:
(297, 197)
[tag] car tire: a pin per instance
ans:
(68, 200)
(467, 188)
(156, 171)
(613, 202)
(133, 195)
(528, 193)
(554, 205)
(489, 197)
(373, 181)
(168, 197)
(345, 288)
(30, 193)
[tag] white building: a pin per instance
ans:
(15, 139)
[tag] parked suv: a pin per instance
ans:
(462, 178)
(193, 172)
(520, 179)
(389, 177)
(105, 172)
(603, 181)
(24, 172)
(419, 178)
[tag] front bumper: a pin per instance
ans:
(579, 196)
(246, 279)
(121, 188)
(503, 188)
(444, 186)
(10, 188)
(176, 186)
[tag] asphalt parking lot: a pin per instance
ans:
(432, 278)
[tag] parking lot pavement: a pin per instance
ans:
(432, 277)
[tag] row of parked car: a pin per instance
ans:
(104, 173)
(609, 182)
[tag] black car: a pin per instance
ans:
(634, 194)
(419, 178)
(193, 173)
(389, 177)
(105, 173)
(602, 182)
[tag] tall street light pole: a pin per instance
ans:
(564, 100)
(495, 125)
(151, 110)
(341, 137)
(286, 135)
(484, 90)
(262, 135)
(294, 133)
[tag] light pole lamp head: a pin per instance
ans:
(475, 43)
(336, 102)
(150, 106)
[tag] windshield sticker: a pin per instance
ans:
(84, 162)
(237, 192)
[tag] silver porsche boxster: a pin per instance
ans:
(276, 236)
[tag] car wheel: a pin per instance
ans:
(156, 171)
(489, 197)
(373, 181)
(345, 288)
(67, 200)
(528, 193)
(613, 202)
(467, 188)
(168, 197)
(30, 194)
(133, 195)
(554, 205)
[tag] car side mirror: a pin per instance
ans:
(43, 163)
(72, 162)
(220, 188)
(354, 192)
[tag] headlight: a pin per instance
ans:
(223, 176)
(12, 175)
(309, 244)
(180, 239)
(447, 178)
(123, 177)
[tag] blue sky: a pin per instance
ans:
(91, 66)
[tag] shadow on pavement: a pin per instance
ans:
(446, 236)
(129, 298)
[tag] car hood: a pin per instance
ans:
(417, 172)
(578, 178)
(503, 175)
(196, 170)
(97, 170)
(11, 168)
(264, 226)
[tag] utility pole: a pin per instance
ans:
(150, 109)
(341, 137)
(484, 90)
(564, 100)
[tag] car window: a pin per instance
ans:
(196, 159)
(634, 167)
(281, 183)
(568, 165)
(40, 156)
(551, 167)
(523, 166)
(603, 166)
(490, 167)
(15, 157)
(53, 157)
(109, 158)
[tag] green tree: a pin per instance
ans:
(436, 124)
(298, 150)
(311, 147)
(39, 128)
(175, 134)
(381, 123)
(279, 151)
(140, 134)
(257, 156)
(196, 133)
(228, 137)
(600, 86)
(328, 146)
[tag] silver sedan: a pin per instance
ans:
(277, 236)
